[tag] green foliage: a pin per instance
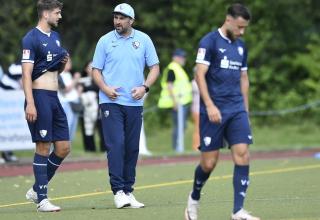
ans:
(283, 41)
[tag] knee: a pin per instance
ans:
(208, 166)
(62, 150)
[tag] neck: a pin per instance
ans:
(127, 33)
(44, 26)
(223, 29)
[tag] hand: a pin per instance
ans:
(112, 93)
(138, 92)
(31, 113)
(65, 59)
(214, 114)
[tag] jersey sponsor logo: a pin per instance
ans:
(49, 56)
(58, 43)
(207, 141)
(222, 50)
(224, 63)
(106, 113)
(201, 53)
(136, 44)
(26, 54)
(43, 133)
(240, 51)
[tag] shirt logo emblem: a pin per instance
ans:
(106, 113)
(136, 44)
(45, 44)
(222, 50)
(207, 141)
(240, 51)
(58, 43)
(43, 133)
(26, 54)
(201, 53)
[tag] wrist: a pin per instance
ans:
(146, 88)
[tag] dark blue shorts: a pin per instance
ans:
(234, 129)
(51, 124)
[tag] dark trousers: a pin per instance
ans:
(121, 126)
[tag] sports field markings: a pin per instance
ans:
(174, 183)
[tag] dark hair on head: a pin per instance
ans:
(238, 10)
(44, 5)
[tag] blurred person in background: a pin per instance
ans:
(90, 119)
(43, 59)
(118, 69)
(195, 111)
(222, 78)
(69, 95)
(11, 81)
(176, 90)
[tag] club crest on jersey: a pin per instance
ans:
(58, 43)
(106, 113)
(207, 141)
(136, 44)
(43, 133)
(240, 51)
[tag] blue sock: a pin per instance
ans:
(53, 164)
(40, 174)
(240, 185)
(200, 178)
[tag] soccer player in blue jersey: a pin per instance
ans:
(43, 59)
(223, 82)
(118, 65)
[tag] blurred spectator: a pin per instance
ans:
(90, 118)
(11, 81)
(176, 90)
(69, 95)
(195, 108)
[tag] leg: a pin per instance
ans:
(40, 170)
(61, 151)
(133, 125)
(207, 164)
(174, 129)
(195, 135)
(113, 134)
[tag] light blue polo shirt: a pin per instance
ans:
(122, 61)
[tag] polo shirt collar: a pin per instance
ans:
(120, 36)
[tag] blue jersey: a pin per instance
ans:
(122, 61)
(43, 50)
(226, 59)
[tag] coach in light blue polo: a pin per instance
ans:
(118, 69)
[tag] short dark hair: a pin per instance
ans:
(238, 10)
(44, 5)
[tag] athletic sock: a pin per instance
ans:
(200, 178)
(240, 185)
(53, 164)
(40, 174)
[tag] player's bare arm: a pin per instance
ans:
(245, 88)
(213, 112)
(31, 111)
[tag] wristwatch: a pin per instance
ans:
(146, 88)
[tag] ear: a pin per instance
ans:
(131, 21)
(45, 14)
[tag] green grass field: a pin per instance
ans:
(280, 189)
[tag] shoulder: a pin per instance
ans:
(108, 36)
(141, 35)
(209, 38)
(30, 34)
